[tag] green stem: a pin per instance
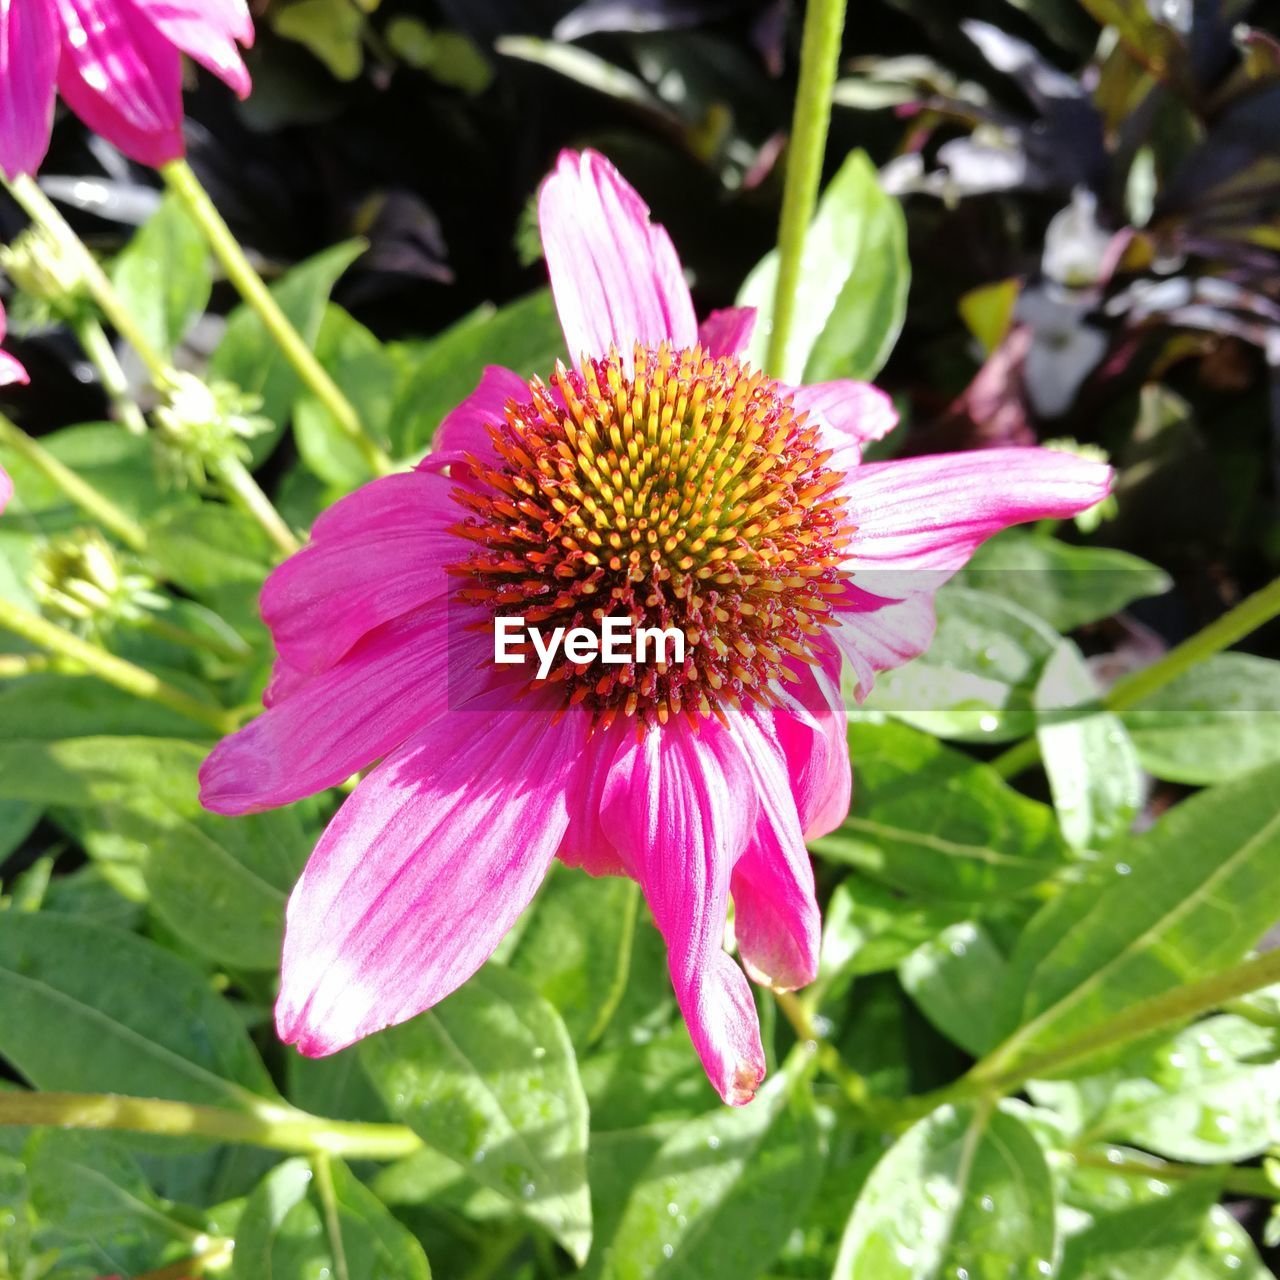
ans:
(322, 1171)
(819, 57)
(83, 494)
(106, 666)
(1243, 1182)
(13, 666)
(97, 346)
(797, 1013)
(182, 181)
(278, 1128)
(41, 210)
(244, 490)
(1251, 613)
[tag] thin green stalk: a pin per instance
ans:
(244, 490)
(83, 494)
(322, 1171)
(278, 1128)
(1234, 625)
(97, 346)
(819, 57)
(42, 211)
(183, 182)
(106, 666)
(1235, 1181)
(14, 666)
(798, 1014)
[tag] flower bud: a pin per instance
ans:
(199, 424)
(44, 270)
(80, 582)
(1089, 519)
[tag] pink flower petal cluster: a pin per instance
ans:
(117, 65)
(481, 784)
(10, 372)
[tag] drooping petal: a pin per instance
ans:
(727, 332)
(373, 555)
(811, 725)
(208, 31)
(920, 519)
(681, 808)
(6, 488)
(28, 73)
(465, 429)
(615, 275)
(879, 635)
(329, 726)
(776, 917)
(122, 78)
(422, 872)
(850, 415)
(11, 371)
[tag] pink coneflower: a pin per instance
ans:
(660, 479)
(118, 66)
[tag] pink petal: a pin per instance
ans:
(11, 371)
(920, 519)
(122, 78)
(878, 635)
(206, 30)
(811, 728)
(615, 276)
(776, 917)
(28, 72)
(395, 681)
(850, 414)
(6, 488)
(465, 429)
(373, 555)
(680, 807)
(727, 332)
(586, 843)
(422, 872)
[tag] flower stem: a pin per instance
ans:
(819, 56)
(42, 211)
(106, 666)
(97, 346)
(83, 494)
(797, 1013)
(182, 181)
(243, 489)
(1251, 613)
(276, 1127)
(1243, 1182)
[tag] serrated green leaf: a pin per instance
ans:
(488, 1078)
(963, 1191)
(935, 822)
(1219, 720)
(163, 275)
(851, 297)
(1192, 896)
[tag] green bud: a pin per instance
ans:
(46, 272)
(200, 424)
(80, 581)
(1091, 518)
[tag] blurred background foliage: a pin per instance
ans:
(1057, 220)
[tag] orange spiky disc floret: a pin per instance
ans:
(690, 494)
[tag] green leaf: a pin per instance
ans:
(1067, 586)
(95, 1206)
(851, 298)
(935, 822)
(1206, 1095)
(1193, 895)
(976, 680)
(488, 1078)
(50, 706)
(366, 373)
(1093, 769)
(332, 29)
(1223, 1252)
(723, 1192)
(163, 275)
(248, 357)
(1219, 720)
(1137, 1228)
(961, 1192)
(576, 949)
(288, 1233)
(88, 1009)
(524, 336)
(952, 978)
